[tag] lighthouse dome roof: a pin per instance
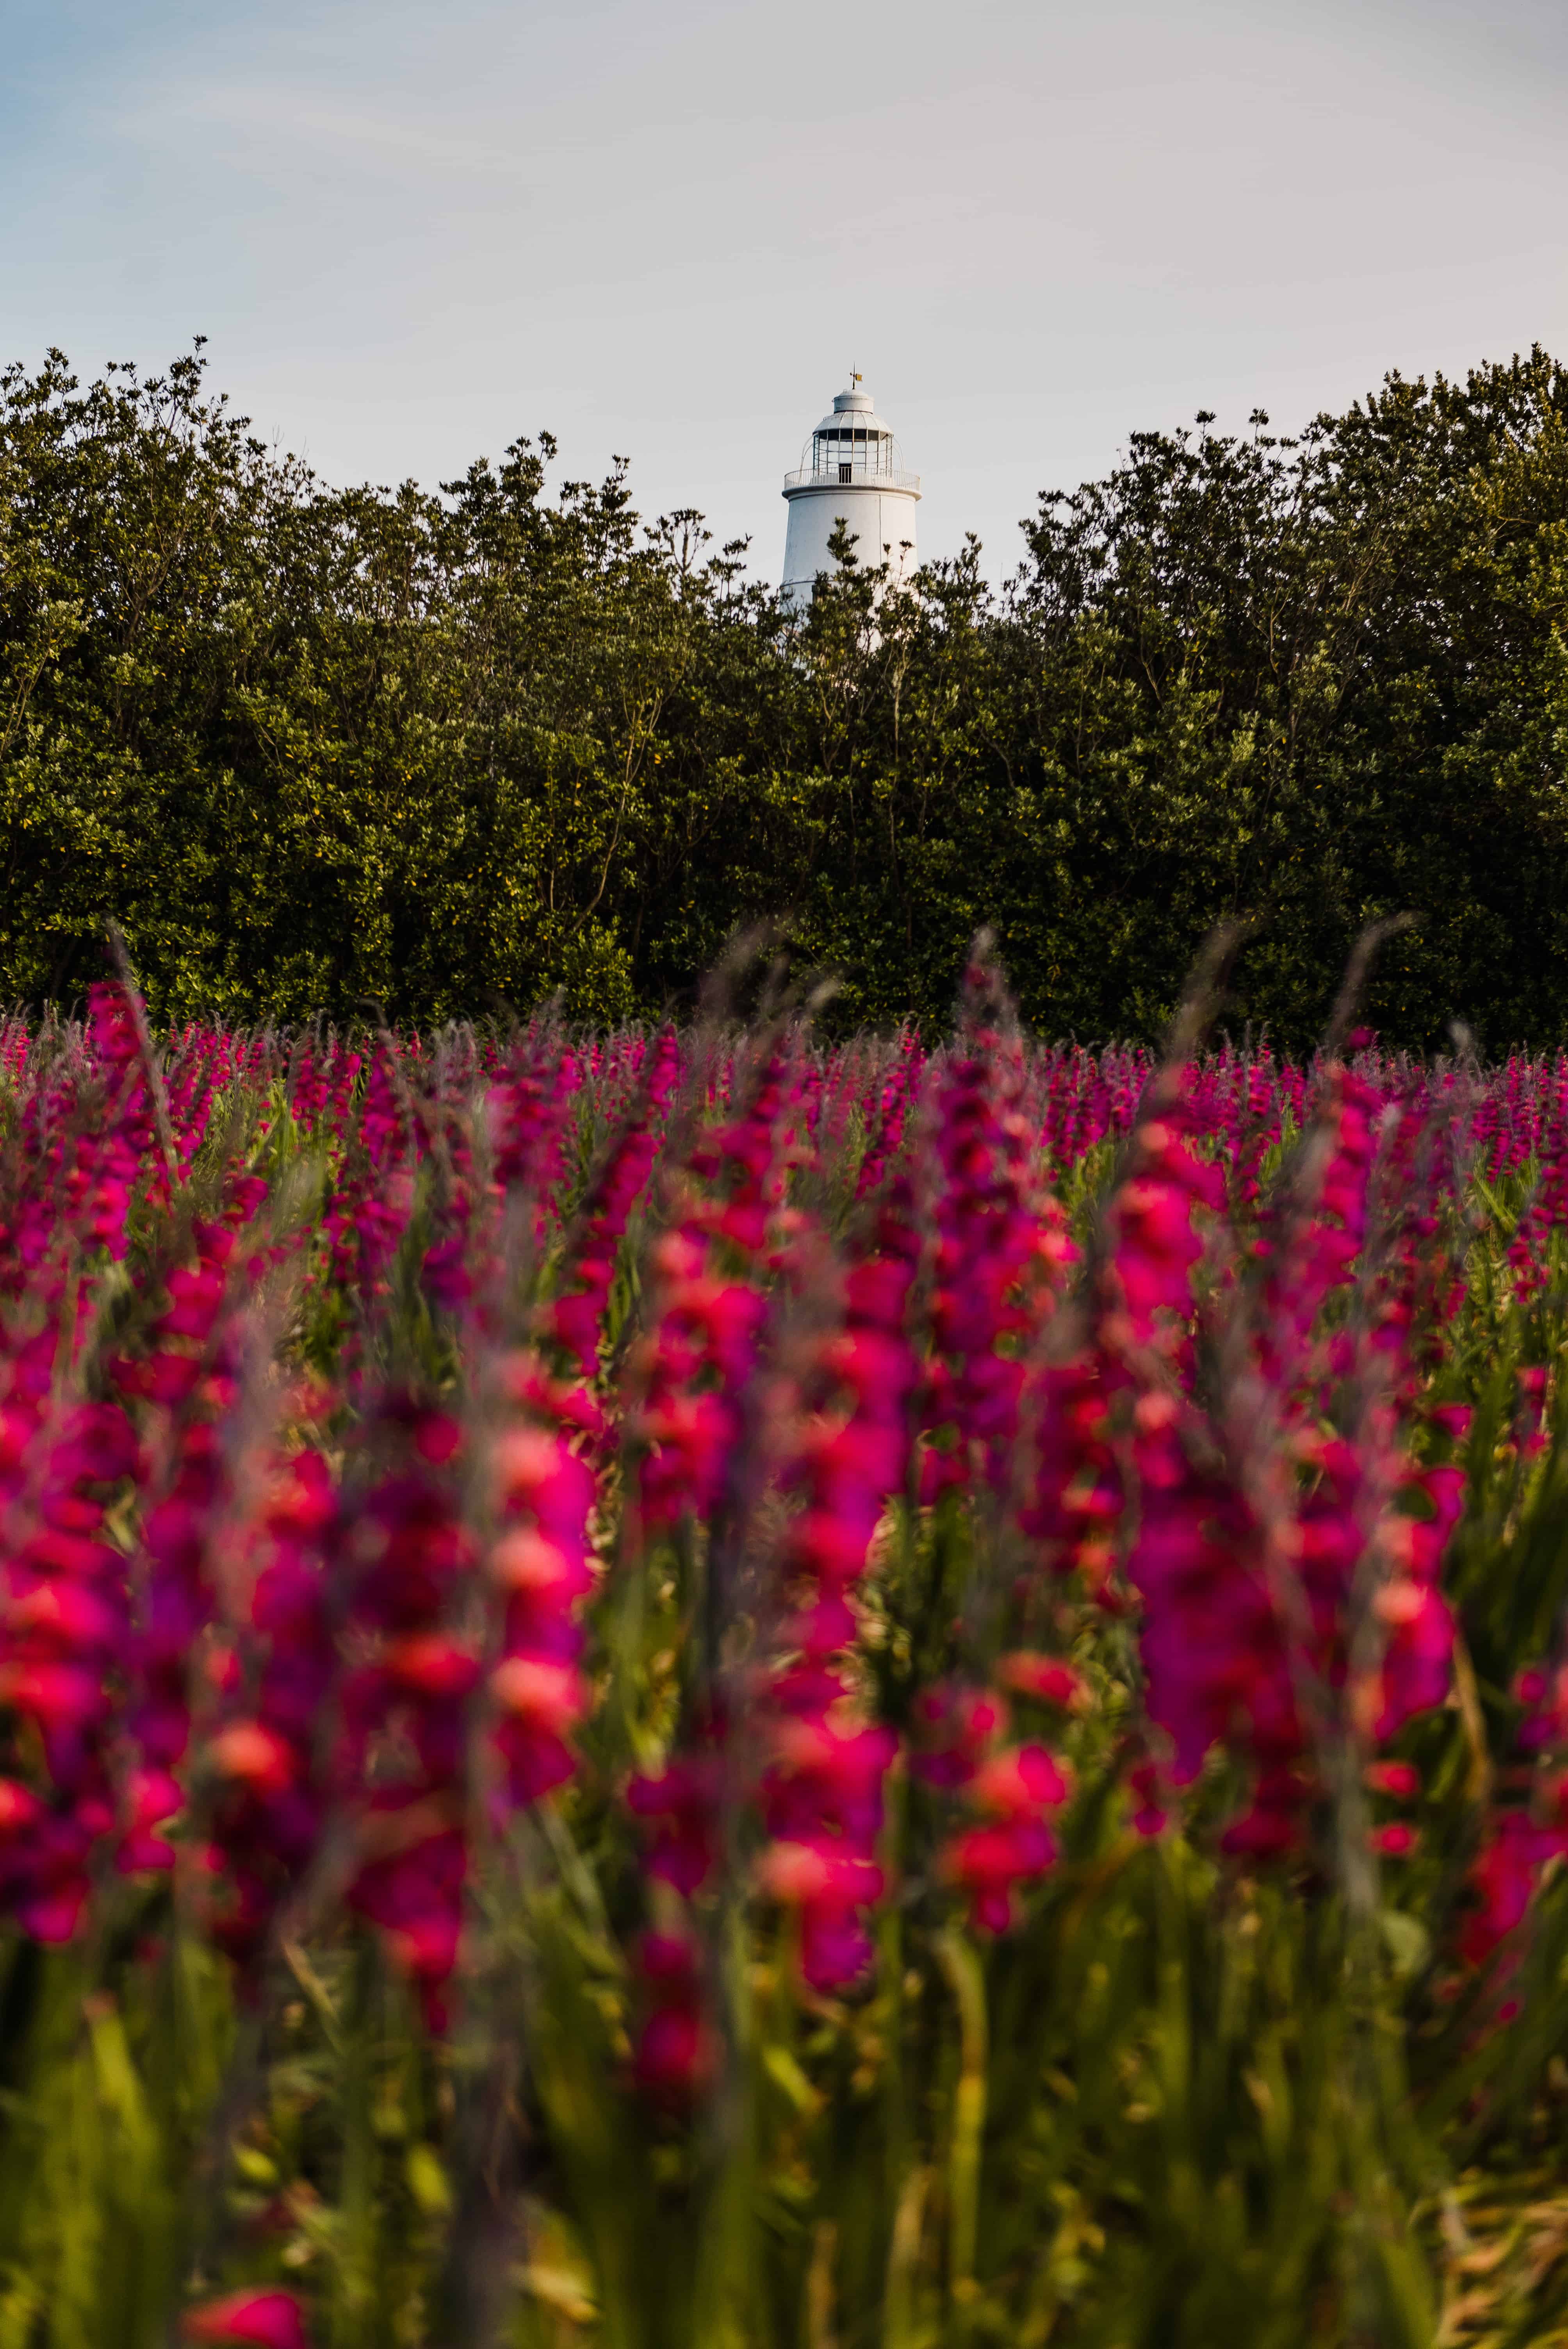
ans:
(857, 409)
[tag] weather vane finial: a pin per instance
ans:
(855, 376)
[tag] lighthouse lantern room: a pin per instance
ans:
(850, 470)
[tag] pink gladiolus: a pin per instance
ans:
(676, 2050)
(1041, 1677)
(579, 1310)
(257, 1623)
(268, 2320)
(412, 1550)
(542, 1563)
(1002, 1243)
(1017, 1788)
(682, 1805)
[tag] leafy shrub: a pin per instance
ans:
(424, 756)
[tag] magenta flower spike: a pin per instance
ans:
(1001, 1247)
(576, 1317)
(542, 1567)
(263, 1751)
(401, 1767)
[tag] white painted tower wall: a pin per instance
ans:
(876, 501)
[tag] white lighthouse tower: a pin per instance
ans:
(850, 470)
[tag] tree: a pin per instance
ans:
(433, 752)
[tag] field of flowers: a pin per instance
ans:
(688, 1690)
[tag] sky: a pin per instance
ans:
(667, 229)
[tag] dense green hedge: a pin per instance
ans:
(325, 750)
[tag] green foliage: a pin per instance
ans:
(108, 2099)
(1170, 2111)
(433, 753)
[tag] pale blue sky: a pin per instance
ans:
(412, 233)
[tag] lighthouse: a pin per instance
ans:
(850, 471)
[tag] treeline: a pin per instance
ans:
(376, 751)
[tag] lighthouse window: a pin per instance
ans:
(865, 448)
